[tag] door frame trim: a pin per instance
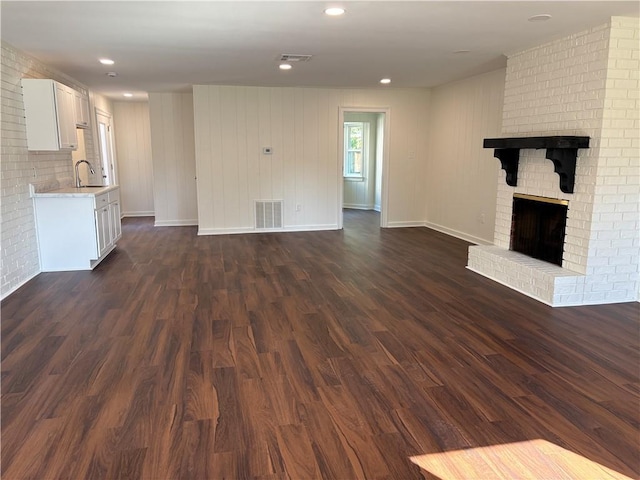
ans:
(384, 194)
(114, 160)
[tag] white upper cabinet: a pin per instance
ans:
(81, 106)
(66, 116)
(50, 115)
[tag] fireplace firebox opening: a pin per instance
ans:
(538, 227)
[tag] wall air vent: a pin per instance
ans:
(268, 214)
(290, 57)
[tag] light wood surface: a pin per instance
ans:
(530, 460)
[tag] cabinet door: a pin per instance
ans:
(103, 230)
(81, 109)
(65, 112)
(50, 115)
(116, 227)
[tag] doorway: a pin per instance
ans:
(105, 145)
(363, 160)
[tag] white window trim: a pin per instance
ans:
(356, 177)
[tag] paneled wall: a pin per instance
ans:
(19, 261)
(133, 153)
(360, 193)
(461, 175)
(301, 125)
(174, 162)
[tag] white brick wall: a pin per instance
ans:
(584, 84)
(19, 259)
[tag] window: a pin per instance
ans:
(355, 141)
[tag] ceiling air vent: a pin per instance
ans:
(290, 57)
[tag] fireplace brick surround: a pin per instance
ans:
(585, 84)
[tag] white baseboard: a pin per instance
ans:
(358, 206)
(138, 214)
(377, 208)
(241, 230)
(176, 223)
(21, 284)
(455, 233)
(412, 223)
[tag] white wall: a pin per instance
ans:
(19, 261)
(232, 124)
(174, 162)
(100, 102)
(461, 175)
(360, 193)
(133, 152)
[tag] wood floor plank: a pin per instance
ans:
(324, 355)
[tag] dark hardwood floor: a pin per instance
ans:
(332, 355)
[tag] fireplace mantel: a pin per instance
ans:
(561, 150)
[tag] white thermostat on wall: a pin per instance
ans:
(267, 150)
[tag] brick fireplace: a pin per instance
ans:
(583, 85)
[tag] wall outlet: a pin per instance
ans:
(298, 208)
(267, 150)
(482, 218)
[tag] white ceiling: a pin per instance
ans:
(171, 45)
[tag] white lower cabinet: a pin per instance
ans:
(76, 229)
(103, 218)
(116, 226)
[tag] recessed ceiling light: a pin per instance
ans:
(128, 95)
(385, 81)
(543, 17)
(334, 11)
(284, 66)
(106, 61)
(111, 74)
(461, 51)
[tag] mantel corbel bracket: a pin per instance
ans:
(561, 150)
(509, 158)
(564, 164)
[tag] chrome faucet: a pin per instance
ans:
(78, 181)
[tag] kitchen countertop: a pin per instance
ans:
(75, 192)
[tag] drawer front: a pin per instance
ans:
(114, 195)
(102, 200)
